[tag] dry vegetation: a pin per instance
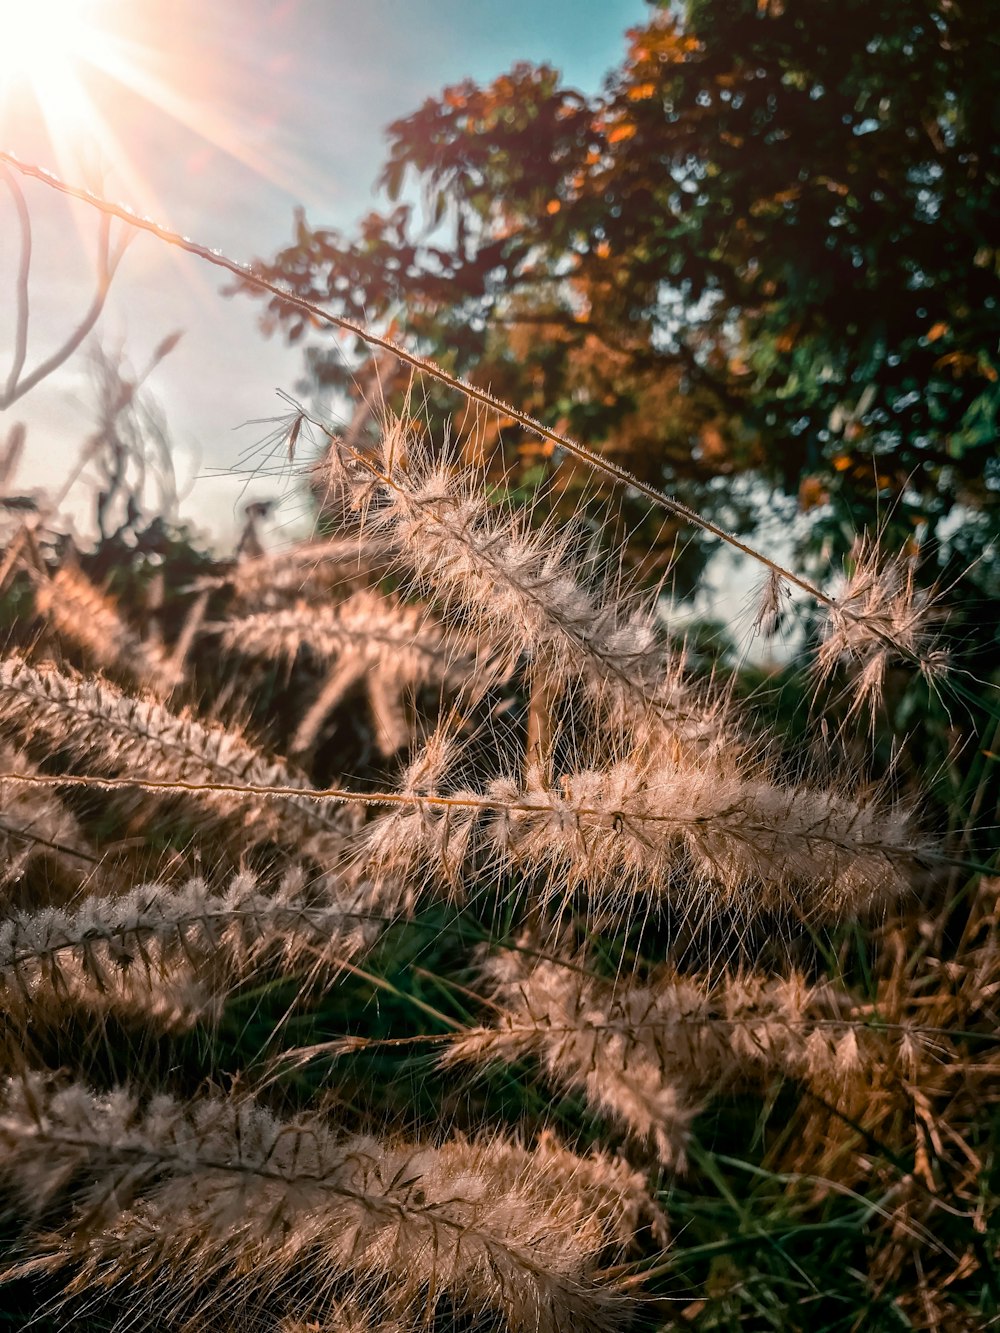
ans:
(401, 931)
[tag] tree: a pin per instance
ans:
(766, 246)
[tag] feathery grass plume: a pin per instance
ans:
(218, 1205)
(119, 734)
(36, 827)
(605, 1186)
(428, 834)
(518, 586)
(392, 647)
(170, 955)
(879, 617)
(308, 568)
(80, 613)
(704, 836)
(649, 1055)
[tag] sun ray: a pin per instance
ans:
(131, 69)
(100, 79)
(76, 64)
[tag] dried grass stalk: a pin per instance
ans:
(79, 612)
(518, 586)
(388, 646)
(36, 827)
(879, 617)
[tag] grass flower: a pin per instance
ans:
(219, 1191)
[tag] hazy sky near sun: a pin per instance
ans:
(218, 117)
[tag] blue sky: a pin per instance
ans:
(299, 92)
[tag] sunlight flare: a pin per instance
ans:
(45, 44)
(89, 71)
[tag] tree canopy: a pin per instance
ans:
(767, 246)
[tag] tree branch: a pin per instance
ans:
(108, 260)
(21, 289)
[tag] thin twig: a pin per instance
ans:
(107, 263)
(108, 260)
(21, 288)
